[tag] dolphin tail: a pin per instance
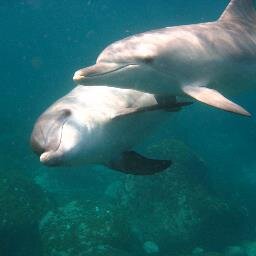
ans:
(239, 11)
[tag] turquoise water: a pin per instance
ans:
(203, 205)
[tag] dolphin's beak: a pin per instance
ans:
(50, 155)
(50, 158)
(99, 69)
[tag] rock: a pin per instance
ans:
(213, 254)
(250, 248)
(113, 190)
(177, 209)
(235, 251)
(86, 228)
(150, 247)
(22, 204)
(198, 251)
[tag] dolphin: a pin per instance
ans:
(209, 62)
(102, 125)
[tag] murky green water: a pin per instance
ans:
(204, 204)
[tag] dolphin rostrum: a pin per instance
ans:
(101, 125)
(207, 61)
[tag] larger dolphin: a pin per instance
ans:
(204, 61)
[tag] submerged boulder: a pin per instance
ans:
(177, 209)
(86, 228)
(151, 247)
(22, 204)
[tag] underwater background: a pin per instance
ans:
(203, 205)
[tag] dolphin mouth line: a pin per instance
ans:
(114, 70)
(44, 157)
(60, 136)
(87, 73)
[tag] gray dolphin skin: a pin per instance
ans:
(101, 125)
(207, 62)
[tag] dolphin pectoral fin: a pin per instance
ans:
(215, 99)
(131, 162)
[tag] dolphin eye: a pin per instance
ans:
(67, 112)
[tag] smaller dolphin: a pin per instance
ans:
(208, 62)
(101, 125)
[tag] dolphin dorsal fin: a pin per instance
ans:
(241, 11)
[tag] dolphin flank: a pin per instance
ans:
(209, 62)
